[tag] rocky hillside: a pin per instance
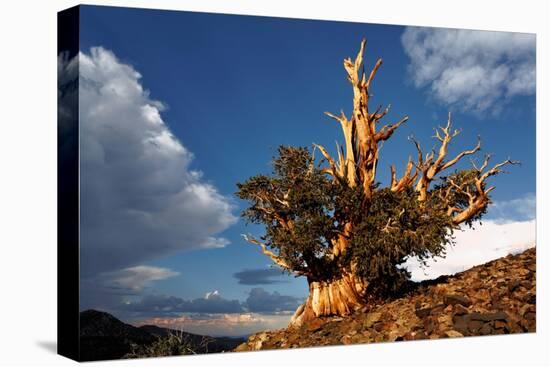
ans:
(495, 298)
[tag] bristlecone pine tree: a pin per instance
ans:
(332, 222)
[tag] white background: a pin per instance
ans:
(28, 181)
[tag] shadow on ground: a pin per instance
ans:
(50, 346)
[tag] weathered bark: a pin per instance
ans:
(357, 163)
(335, 297)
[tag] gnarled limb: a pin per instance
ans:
(478, 198)
(406, 180)
(335, 170)
(387, 130)
(432, 166)
(276, 259)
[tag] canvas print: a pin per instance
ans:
(234, 183)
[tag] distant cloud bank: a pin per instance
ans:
(222, 324)
(260, 276)
(140, 198)
(472, 70)
(215, 315)
(259, 300)
(510, 229)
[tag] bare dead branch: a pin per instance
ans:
(333, 168)
(462, 154)
(373, 73)
(406, 180)
(479, 199)
(276, 259)
(387, 130)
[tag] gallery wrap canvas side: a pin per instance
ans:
(68, 261)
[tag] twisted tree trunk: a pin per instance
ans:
(340, 296)
(356, 166)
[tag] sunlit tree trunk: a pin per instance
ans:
(340, 296)
(356, 166)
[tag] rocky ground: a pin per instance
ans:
(495, 298)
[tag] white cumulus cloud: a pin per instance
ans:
(484, 242)
(139, 197)
(473, 70)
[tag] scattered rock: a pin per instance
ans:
(346, 339)
(530, 298)
(486, 329)
(457, 299)
(460, 310)
(436, 310)
(474, 326)
(488, 316)
(423, 312)
(453, 334)
(513, 285)
(491, 299)
(371, 319)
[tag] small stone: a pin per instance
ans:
(420, 335)
(512, 286)
(477, 316)
(486, 329)
(500, 324)
(260, 339)
(423, 312)
(475, 325)
(453, 299)
(453, 334)
(460, 310)
(346, 339)
(371, 319)
(436, 310)
(461, 325)
(530, 298)
(395, 336)
(366, 334)
(526, 325)
(315, 324)
(523, 309)
(526, 284)
(429, 325)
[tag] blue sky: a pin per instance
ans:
(229, 90)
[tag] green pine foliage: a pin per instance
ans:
(387, 229)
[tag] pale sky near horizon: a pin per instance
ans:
(178, 107)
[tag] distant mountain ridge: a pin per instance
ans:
(103, 337)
